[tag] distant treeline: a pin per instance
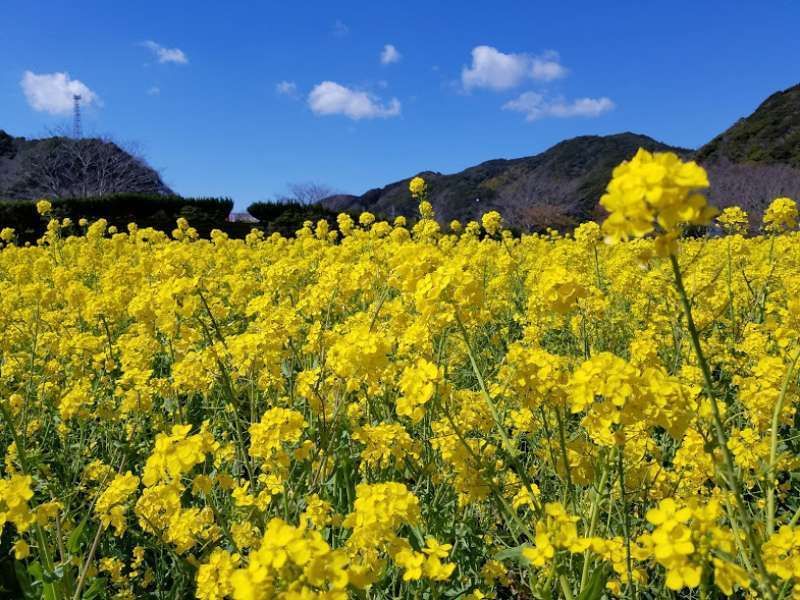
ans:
(287, 217)
(161, 212)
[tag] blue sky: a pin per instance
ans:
(197, 83)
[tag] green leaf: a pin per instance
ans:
(596, 586)
(514, 554)
(95, 590)
(23, 580)
(35, 570)
(74, 540)
(41, 579)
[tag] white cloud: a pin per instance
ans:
(154, 91)
(53, 92)
(286, 88)
(496, 70)
(582, 107)
(331, 98)
(547, 67)
(166, 55)
(535, 106)
(340, 29)
(390, 55)
(493, 69)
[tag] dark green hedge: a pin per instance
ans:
(159, 212)
(287, 217)
(22, 216)
(140, 207)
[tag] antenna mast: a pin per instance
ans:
(77, 132)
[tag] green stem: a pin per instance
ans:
(55, 591)
(597, 269)
(248, 462)
(508, 448)
(773, 448)
(497, 494)
(598, 495)
(85, 568)
(722, 438)
(626, 523)
(563, 443)
(562, 579)
(731, 306)
(549, 437)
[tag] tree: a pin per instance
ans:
(309, 192)
(751, 186)
(539, 217)
(63, 167)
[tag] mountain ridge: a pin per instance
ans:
(749, 164)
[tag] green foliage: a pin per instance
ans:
(141, 208)
(21, 215)
(770, 135)
(156, 211)
(287, 217)
(7, 146)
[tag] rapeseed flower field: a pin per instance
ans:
(398, 411)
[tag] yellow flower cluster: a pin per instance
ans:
(733, 220)
(655, 191)
(276, 427)
(397, 409)
(418, 385)
(291, 562)
(386, 444)
(492, 222)
(174, 455)
(417, 187)
(781, 215)
(111, 503)
(15, 492)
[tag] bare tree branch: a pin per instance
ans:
(309, 192)
(63, 167)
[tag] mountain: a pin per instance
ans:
(751, 163)
(757, 159)
(771, 135)
(560, 186)
(59, 167)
